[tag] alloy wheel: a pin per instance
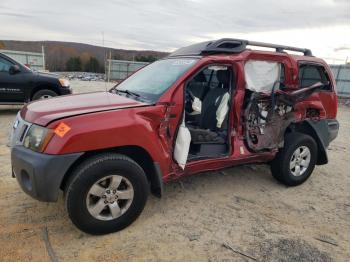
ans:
(110, 197)
(300, 161)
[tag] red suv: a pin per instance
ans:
(205, 107)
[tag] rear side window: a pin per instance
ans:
(311, 74)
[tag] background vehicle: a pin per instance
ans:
(19, 84)
(207, 106)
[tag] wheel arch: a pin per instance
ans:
(136, 153)
(42, 87)
(313, 130)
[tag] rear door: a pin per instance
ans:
(11, 85)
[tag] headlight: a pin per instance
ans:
(37, 138)
(64, 82)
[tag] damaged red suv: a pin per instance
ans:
(205, 107)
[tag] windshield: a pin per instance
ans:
(152, 81)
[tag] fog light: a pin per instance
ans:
(26, 182)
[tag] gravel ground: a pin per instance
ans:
(236, 214)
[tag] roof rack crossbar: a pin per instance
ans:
(281, 48)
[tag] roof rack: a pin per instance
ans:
(230, 45)
(281, 48)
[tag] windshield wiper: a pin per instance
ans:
(127, 92)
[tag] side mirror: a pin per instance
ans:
(14, 69)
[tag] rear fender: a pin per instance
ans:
(323, 131)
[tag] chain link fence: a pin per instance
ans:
(117, 70)
(342, 77)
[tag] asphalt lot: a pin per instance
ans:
(208, 217)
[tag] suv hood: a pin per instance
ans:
(46, 74)
(45, 111)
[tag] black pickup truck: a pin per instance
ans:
(19, 84)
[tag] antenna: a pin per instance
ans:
(104, 60)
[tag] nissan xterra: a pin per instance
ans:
(205, 107)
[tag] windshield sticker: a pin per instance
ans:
(183, 62)
(217, 68)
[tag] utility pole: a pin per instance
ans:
(109, 65)
(43, 54)
(105, 55)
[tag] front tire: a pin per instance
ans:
(295, 162)
(44, 94)
(106, 194)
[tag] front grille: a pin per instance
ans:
(19, 131)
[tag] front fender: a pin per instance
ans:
(111, 129)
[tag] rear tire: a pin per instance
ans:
(106, 193)
(44, 94)
(295, 162)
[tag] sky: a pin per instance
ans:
(165, 25)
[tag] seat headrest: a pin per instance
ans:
(223, 76)
(200, 77)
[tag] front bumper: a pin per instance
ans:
(333, 129)
(66, 91)
(326, 130)
(40, 175)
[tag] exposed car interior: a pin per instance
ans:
(268, 110)
(207, 105)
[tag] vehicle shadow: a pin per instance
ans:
(193, 191)
(9, 110)
(208, 186)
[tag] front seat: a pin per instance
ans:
(207, 131)
(195, 88)
(197, 85)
